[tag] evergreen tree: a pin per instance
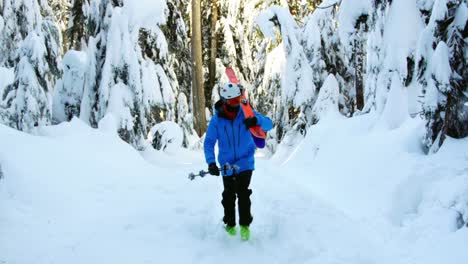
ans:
(75, 31)
(97, 15)
(68, 92)
(20, 18)
(443, 73)
(121, 92)
(36, 60)
(292, 103)
(353, 21)
(178, 67)
(375, 53)
(61, 9)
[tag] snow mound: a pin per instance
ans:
(396, 108)
(167, 136)
(380, 175)
(326, 105)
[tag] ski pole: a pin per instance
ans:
(226, 167)
(201, 174)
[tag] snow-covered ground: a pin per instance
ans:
(352, 192)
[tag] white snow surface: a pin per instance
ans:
(352, 192)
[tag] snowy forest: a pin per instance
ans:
(132, 65)
(369, 103)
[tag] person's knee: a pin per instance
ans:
(229, 196)
(244, 194)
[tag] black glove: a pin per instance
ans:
(213, 169)
(250, 122)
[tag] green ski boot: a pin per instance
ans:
(231, 230)
(244, 232)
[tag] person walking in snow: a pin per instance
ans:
(230, 129)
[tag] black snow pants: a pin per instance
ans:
(237, 185)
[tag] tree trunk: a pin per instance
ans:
(359, 48)
(359, 71)
(213, 46)
(198, 94)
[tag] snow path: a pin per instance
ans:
(80, 195)
(115, 207)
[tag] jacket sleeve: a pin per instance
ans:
(210, 140)
(263, 121)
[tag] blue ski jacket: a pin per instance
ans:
(235, 143)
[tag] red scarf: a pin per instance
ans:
(230, 115)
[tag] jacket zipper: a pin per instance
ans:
(238, 135)
(227, 135)
(234, 140)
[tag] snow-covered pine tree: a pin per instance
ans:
(324, 50)
(31, 44)
(160, 80)
(68, 92)
(403, 24)
(61, 9)
(375, 52)
(143, 82)
(121, 93)
(322, 46)
(293, 102)
(353, 28)
(303, 8)
(177, 65)
(76, 27)
(20, 18)
(241, 45)
(443, 73)
(313, 47)
(97, 15)
(456, 122)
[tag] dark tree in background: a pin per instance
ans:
(76, 29)
(198, 93)
(213, 48)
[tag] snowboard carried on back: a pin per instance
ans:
(257, 132)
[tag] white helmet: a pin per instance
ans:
(230, 90)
